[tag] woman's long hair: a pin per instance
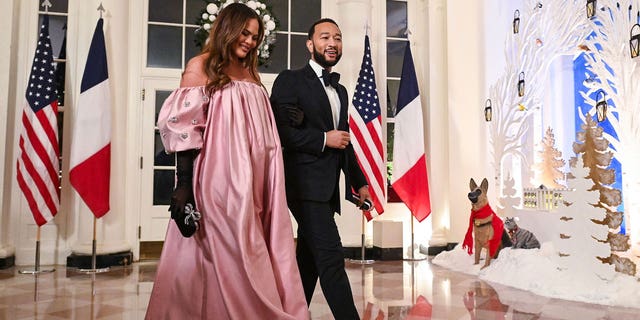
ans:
(224, 33)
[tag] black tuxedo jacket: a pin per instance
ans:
(312, 173)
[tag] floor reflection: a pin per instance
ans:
(482, 299)
(383, 290)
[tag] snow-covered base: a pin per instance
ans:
(535, 270)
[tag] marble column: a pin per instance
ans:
(7, 251)
(467, 132)
(437, 126)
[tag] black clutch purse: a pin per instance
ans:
(187, 222)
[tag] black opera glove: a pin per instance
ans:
(182, 207)
(294, 114)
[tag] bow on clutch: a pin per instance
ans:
(182, 207)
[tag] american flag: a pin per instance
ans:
(365, 122)
(38, 161)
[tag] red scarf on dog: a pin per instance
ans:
(498, 228)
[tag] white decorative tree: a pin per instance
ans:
(578, 251)
(593, 149)
(545, 31)
(618, 75)
(548, 170)
(509, 199)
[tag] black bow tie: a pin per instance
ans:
(330, 78)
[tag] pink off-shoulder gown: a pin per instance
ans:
(241, 263)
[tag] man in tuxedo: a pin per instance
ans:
(310, 107)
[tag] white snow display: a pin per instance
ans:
(536, 271)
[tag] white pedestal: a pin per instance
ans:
(387, 240)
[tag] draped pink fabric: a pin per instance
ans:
(241, 263)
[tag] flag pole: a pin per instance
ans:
(93, 254)
(413, 258)
(37, 269)
(362, 259)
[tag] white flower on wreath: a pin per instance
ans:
(213, 7)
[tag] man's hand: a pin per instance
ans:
(337, 139)
(363, 194)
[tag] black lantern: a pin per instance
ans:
(601, 106)
(521, 84)
(591, 8)
(487, 110)
(634, 41)
(516, 21)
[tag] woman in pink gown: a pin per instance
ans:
(240, 263)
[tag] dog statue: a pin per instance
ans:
(486, 229)
(521, 238)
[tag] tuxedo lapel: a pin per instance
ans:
(319, 94)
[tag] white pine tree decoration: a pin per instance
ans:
(593, 149)
(548, 170)
(509, 199)
(619, 77)
(578, 251)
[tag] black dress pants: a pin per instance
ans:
(319, 255)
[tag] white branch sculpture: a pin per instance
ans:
(546, 30)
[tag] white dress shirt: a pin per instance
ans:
(332, 94)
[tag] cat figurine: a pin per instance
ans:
(521, 238)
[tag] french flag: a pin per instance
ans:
(91, 138)
(409, 179)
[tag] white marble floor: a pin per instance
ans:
(382, 290)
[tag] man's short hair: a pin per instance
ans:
(312, 29)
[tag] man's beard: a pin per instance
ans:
(319, 58)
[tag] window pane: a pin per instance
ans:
(60, 119)
(280, 9)
(163, 181)
(162, 158)
(395, 55)
(57, 6)
(392, 97)
(161, 96)
(165, 11)
(57, 33)
(194, 10)
(164, 47)
(278, 60)
(390, 135)
(59, 78)
(299, 53)
(190, 50)
(396, 19)
(303, 14)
